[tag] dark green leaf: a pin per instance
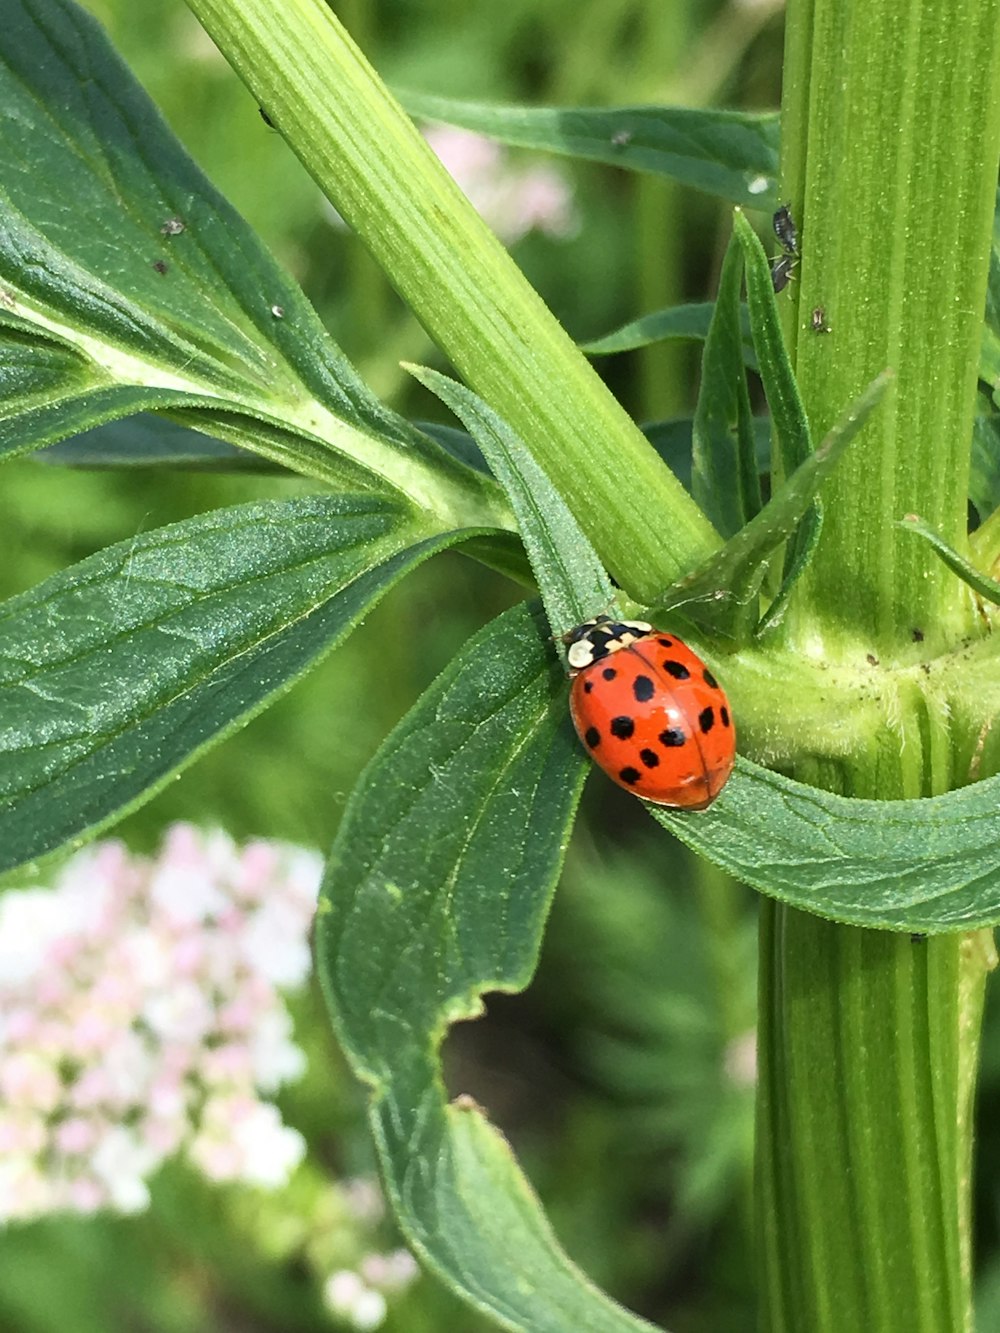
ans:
(672, 440)
(788, 414)
(436, 893)
(984, 476)
(569, 575)
(128, 282)
(147, 441)
(729, 153)
(117, 672)
(927, 865)
(993, 286)
(724, 479)
(690, 322)
(989, 361)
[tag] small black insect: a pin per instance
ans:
(784, 229)
(161, 266)
(818, 321)
(266, 118)
(781, 271)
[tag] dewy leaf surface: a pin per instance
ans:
(436, 892)
(118, 671)
(131, 283)
(728, 153)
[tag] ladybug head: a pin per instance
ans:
(598, 638)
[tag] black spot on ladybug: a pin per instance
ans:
(588, 685)
(643, 689)
(622, 727)
(630, 775)
(650, 758)
(676, 669)
(706, 719)
(672, 738)
(918, 635)
(710, 680)
(593, 737)
(724, 715)
(609, 673)
(665, 643)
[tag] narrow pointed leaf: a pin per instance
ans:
(687, 322)
(710, 586)
(979, 582)
(569, 575)
(436, 893)
(724, 478)
(728, 153)
(120, 670)
(791, 426)
(673, 441)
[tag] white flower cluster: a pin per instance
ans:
(359, 1297)
(141, 1016)
(513, 200)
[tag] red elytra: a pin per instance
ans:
(649, 712)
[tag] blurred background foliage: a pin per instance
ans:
(624, 1076)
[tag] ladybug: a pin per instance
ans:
(650, 712)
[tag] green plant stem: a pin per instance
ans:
(379, 172)
(866, 1073)
(890, 129)
(891, 132)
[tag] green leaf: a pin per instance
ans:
(975, 578)
(707, 592)
(984, 476)
(147, 441)
(725, 480)
(127, 282)
(992, 325)
(673, 441)
(788, 414)
(437, 890)
(569, 575)
(122, 669)
(690, 322)
(729, 153)
(930, 865)
(791, 426)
